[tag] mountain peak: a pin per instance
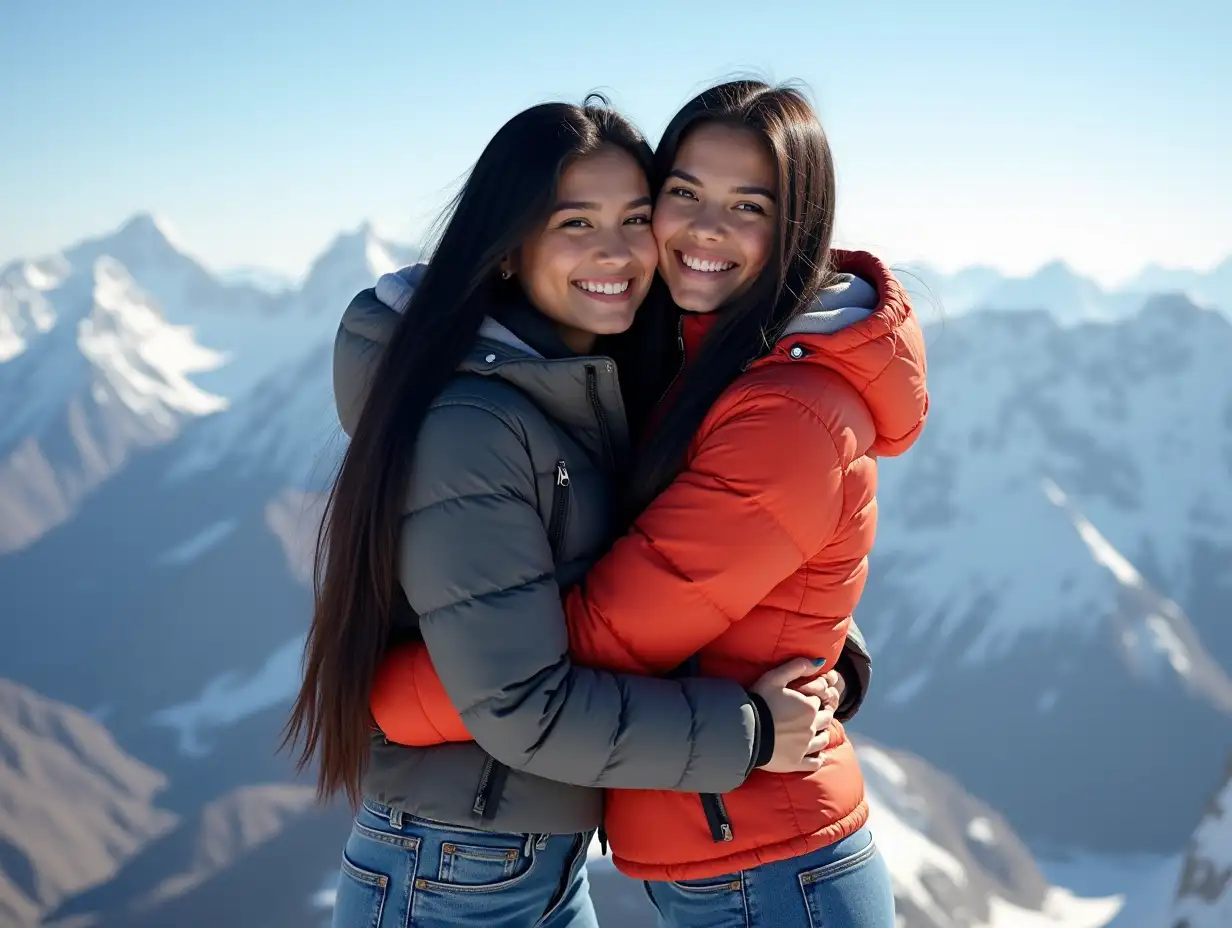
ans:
(354, 260)
(145, 233)
(145, 222)
(1056, 268)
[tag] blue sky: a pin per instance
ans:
(1007, 133)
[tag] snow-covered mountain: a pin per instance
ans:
(1054, 568)
(1204, 897)
(121, 340)
(352, 262)
(1207, 288)
(94, 372)
(1069, 296)
(264, 279)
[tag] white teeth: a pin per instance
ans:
(596, 287)
(698, 264)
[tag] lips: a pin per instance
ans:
(705, 265)
(603, 287)
(606, 289)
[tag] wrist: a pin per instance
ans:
(763, 739)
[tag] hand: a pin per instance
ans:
(800, 721)
(829, 687)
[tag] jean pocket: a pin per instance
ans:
(479, 868)
(730, 882)
(854, 890)
(713, 902)
(360, 901)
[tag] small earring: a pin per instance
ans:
(506, 274)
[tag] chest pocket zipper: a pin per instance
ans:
(492, 779)
(560, 508)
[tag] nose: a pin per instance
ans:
(613, 251)
(707, 226)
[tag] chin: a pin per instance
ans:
(694, 303)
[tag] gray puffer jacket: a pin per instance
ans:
(510, 499)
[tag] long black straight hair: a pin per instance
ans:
(799, 267)
(507, 198)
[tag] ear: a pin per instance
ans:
(506, 267)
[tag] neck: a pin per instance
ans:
(577, 340)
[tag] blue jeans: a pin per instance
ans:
(398, 870)
(845, 885)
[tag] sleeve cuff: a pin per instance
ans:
(763, 737)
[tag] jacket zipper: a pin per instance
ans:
(683, 360)
(491, 780)
(560, 507)
(716, 817)
(592, 389)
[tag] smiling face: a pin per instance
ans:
(715, 220)
(592, 265)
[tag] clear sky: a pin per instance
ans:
(1006, 132)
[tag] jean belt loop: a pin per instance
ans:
(395, 819)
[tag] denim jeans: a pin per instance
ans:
(398, 870)
(845, 885)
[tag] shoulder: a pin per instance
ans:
(475, 397)
(800, 407)
(477, 438)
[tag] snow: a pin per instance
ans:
(205, 540)
(914, 859)
(253, 331)
(1057, 464)
(1204, 890)
(25, 311)
(144, 360)
(980, 829)
(884, 766)
(96, 335)
(1157, 635)
(232, 697)
(1058, 287)
(1144, 883)
(1061, 909)
(1101, 552)
(287, 425)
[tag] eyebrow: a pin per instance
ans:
(595, 207)
(752, 191)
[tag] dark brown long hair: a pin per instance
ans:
(507, 197)
(798, 268)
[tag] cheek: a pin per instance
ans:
(756, 242)
(547, 267)
(645, 249)
(666, 223)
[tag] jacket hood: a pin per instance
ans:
(865, 329)
(565, 388)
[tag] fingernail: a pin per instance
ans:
(819, 661)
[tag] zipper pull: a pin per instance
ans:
(562, 474)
